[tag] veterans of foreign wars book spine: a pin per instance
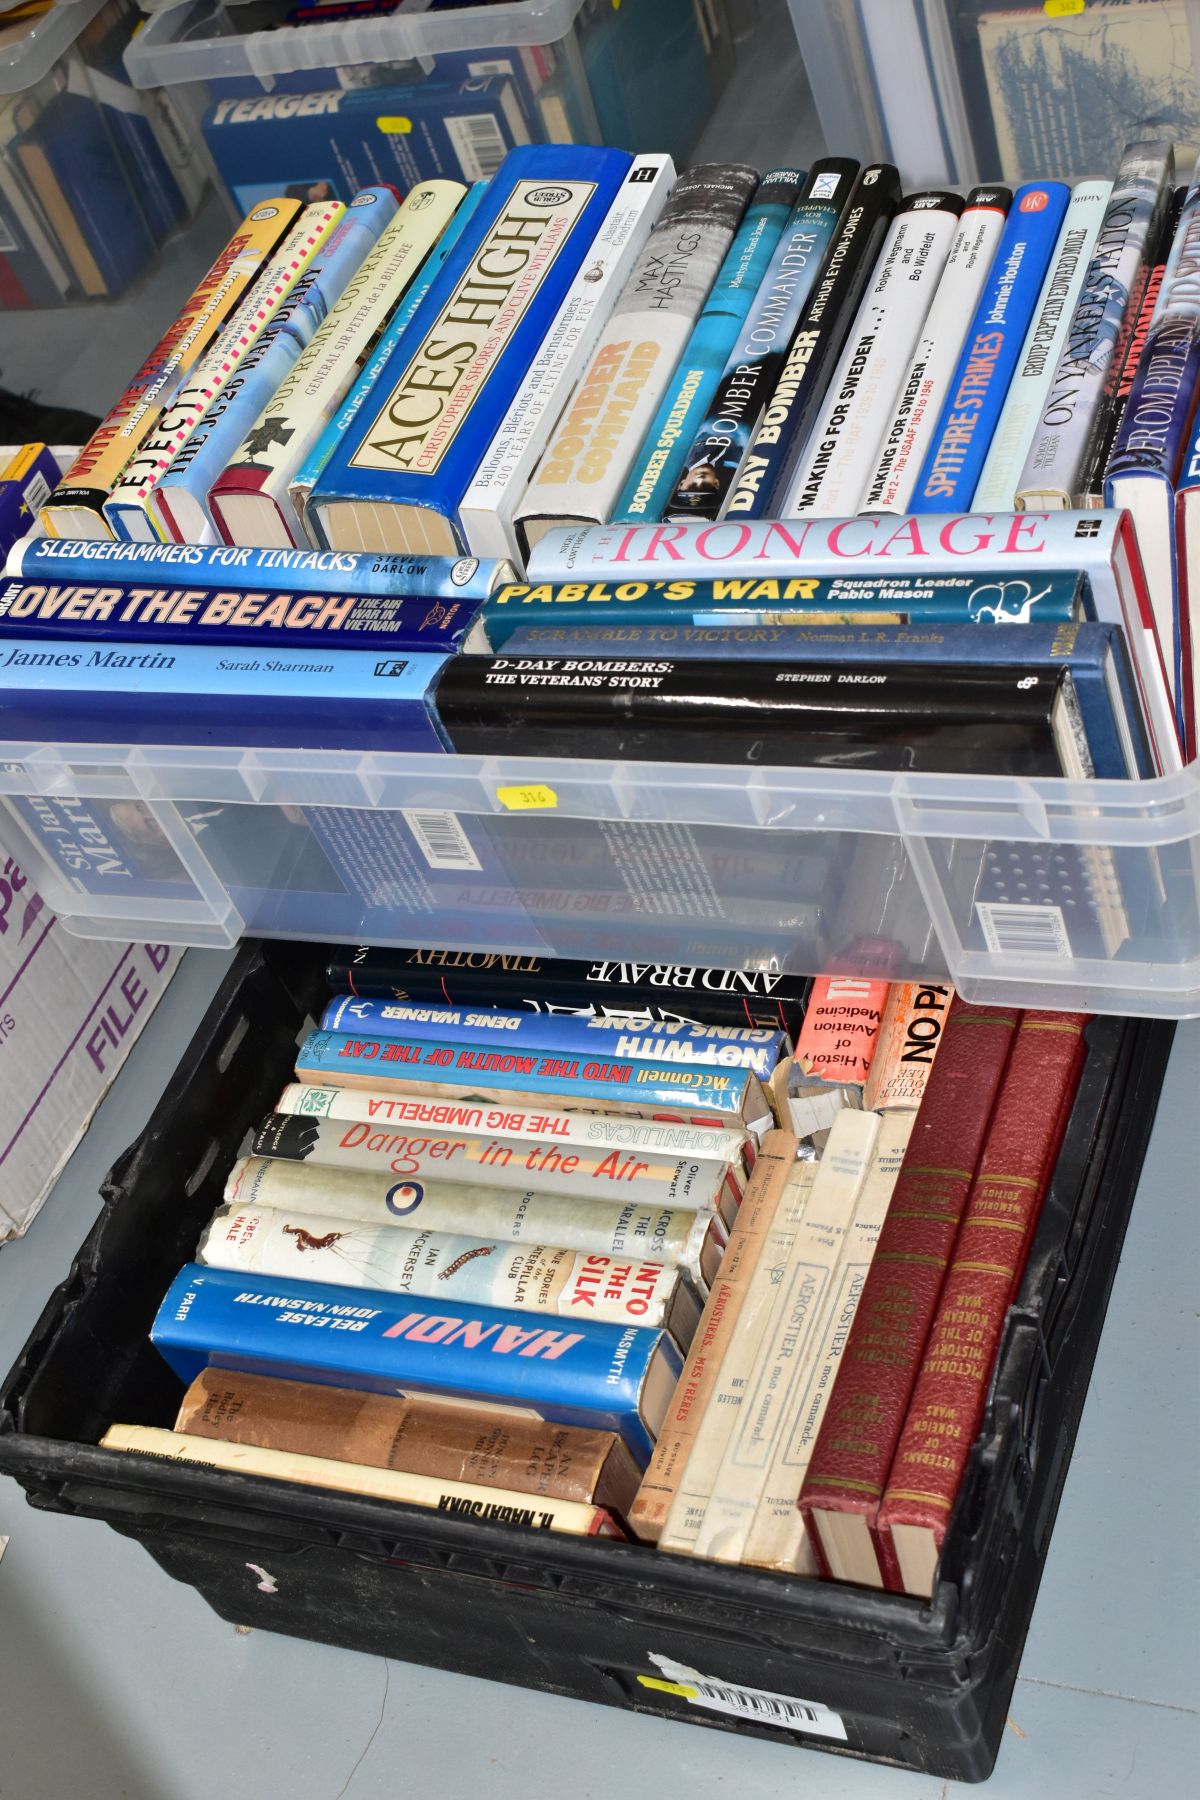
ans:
(747, 381)
(250, 499)
(490, 503)
(1059, 468)
(659, 461)
(923, 385)
(584, 466)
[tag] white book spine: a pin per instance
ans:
(844, 443)
(997, 485)
(489, 507)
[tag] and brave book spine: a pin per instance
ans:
(962, 436)
(852, 1456)
(659, 461)
(989, 1258)
(584, 466)
(922, 387)
(587, 1373)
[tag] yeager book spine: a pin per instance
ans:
(495, 1506)
(611, 1377)
(659, 461)
(483, 1445)
(996, 488)
(960, 440)
(922, 387)
(250, 500)
(841, 446)
(849, 1466)
(1059, 465)
(989, 1258)
(752, 367)
(766, 470)
(490, 503)
(587, 459)
(75, 508)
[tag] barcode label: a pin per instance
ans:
(1017, 930)
(442, 841)
(478, 143)
(738, 1702)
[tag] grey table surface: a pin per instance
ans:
(117, 1683)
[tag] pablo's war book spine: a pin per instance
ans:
(961, 439)
(705, 1046)
(766, 470)
(748, 379)
(587, 1373)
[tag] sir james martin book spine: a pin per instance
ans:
(612, 1376)
(397, 478)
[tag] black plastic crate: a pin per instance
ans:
(921, 1686)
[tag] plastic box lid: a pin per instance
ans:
(34, 53)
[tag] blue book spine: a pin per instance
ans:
(661, 458)
(127, 693)
(579, 1372)
(22, 495)
(419, 441)
(721, 1047)
(957, 452)
(310, 471)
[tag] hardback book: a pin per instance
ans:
(26, 481)
(758, 352)
(536, 1278)
(583, 467)
(852, 1455)
(842, 444)
(251, 501)
(127, 507)
(909, 1035)
(1060, 465)
(181, 501)
(990, 1251)
(487, 1505)
(396, 479)
(489, 1446)
(76, 507)
(996, 488)
(841, 1028)
(660, 458)
(606, 1377)
(139, 150)
(979, 386)
(490, 505)
(923, 385)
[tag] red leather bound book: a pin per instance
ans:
(852, 1456)
(989, 1258)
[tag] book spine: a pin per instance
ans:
(717, 1046)
(588, 457)
(970, 412)
(718, 1322)
(909, 1035)
(996, 488)
(491, 1161)
(488, 1505)
(674, 1236)
(107, 454)
(125, 508)
(659, 461)
(753, 365)
(586, 1373)
(532, 1278)
(841, 447)
(841, 1028)
(490, 503)
(1059, 464)
(922, 387)
(24, 487)
(1115, 412)
(989, 1257)
(455, 1443)
(852, 1455)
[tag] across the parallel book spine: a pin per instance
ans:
(608, 1377)
(990, 1252)
(462, 1500)
(75, 508)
